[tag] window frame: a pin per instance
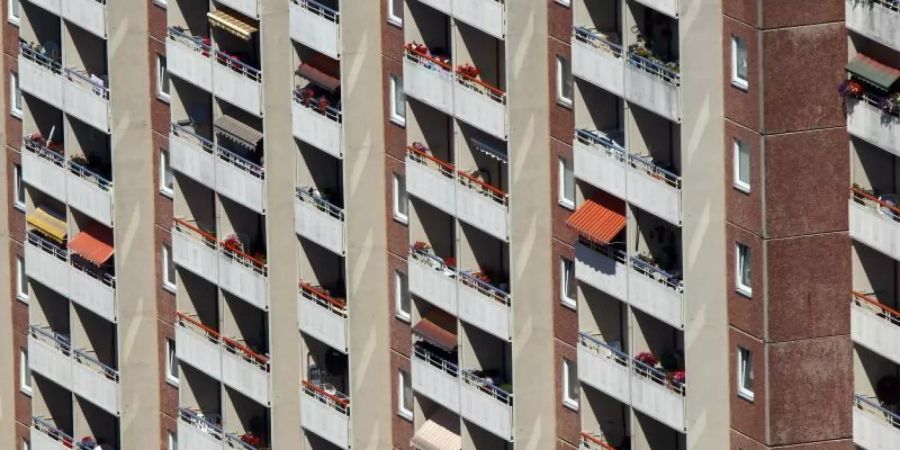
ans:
(25, 378)
(163, 79)
(392, 18)
(564, 64)
(172, 375)
(18, 188)
(402, 380)
(165, 174)
(399, 190)
(15, 96)
(171, 440)
(563, 167)
(570, 383)
(744, 364)
(396, 88)
(22, 293)
(168, 284)
(739, 147)
(402, 305)
(16, 18)
(566, 268)
(743, 255)
(738, 46)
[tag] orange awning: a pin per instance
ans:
(438, 328)
(94, 243)
(599, 219)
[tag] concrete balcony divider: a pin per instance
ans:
(240, 180)
(601, 161)
(486, 405)
(94, 290)
(868, 122)
(90, 15)
(428, 80)
(326, 412)
(49, 354)
(667, 7)
(875, 326)
(196, 433)
(44, 169)
(316, 26)
(192, 155)
(322, 317)
(484, 306)
(321, 129)
(878, 20)
(90, 193)
(480, 105)
(188, 58)
(656, 396)
(483, 206)
(598, 60)
(195, 250)
(245, 371)
(40, 76)
(486, 15)
(45, 436)
(431, 180)
(431, 279)
(249, 8)
(653, 87)
(244, 276)
(87, 99)
(198, 345)
(435, 378)
(95, 381)
(238, 83)
(604, 367)
(874, 427)
(875, 223)
(656, 293)
(602, 268)
(47, 263)
(319, 221)
(654, 189)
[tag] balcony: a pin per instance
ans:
(435, 378)
(486, 15)
(431, 180)
(654, 188)
(90, 15)
(94, 289)
(432, 279)
(43, 168)
(319, 220)
(603, 367)
(240, 180)
(657, 395)
(45, 436)
(249, 8)
(326, 412)
(654, 86)
(49, 354)
(198, 345)
(594, 441)
(603, 268)
(188, 58)
(875, 222)
(195, 250)
(52, 6)
(479, 104)
(598, 60)
(192, 155)
(238, 83)
(39, 74)
(440, 5)
(47, 263)
(656, 292)
(874, 427)
(486, 405)
(90, 193)
(316, 26)
(667, 7)
(244, 276)
(428, 79)
(95, 382)
(481, 205)
(317, 126)
(601, 161)
(245, 370)
(875, 326)
(484, 305)
(197, 433)
(87, 98)
(870, 123)
(322, 316)
(878, 20)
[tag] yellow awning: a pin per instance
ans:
(48, 223)
(224, 21)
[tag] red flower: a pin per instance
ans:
(646, 358)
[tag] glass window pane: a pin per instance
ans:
(397, 9)
(741, 59)
(743, 163)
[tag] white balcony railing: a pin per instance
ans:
(326, 412)
(240, 180)
(90, 193)
(878, 20)
(480, 104)
(197, 433)
(195, 250)
(44, 168)
(653, 86)
(95, 381)
(244, 276)
(189, 58)
(45, 436)
(47, 263)
(657, 395)
(482, 205)
(654, 189)
(875, 326)
(428, 80)
(318, 127)
(316, 26)
(598, 60)
(867, 121)
(93, 289)
(487, 405)
(875, 223)
(433, 280)
(193, 155)
(603, 268)
(238, 83)
(667, 7)
(319, 220)
(49, 354)
(486, 15)
(322, 317)
(431, 180)
(601, 161)
(39, 75)
(435, 378)
(90, 15)
(603, 367)
(485, 306)
(656, 292)
(874, 427)
(87, 98)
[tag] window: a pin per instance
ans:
(570, 383)
(742, 267)
(401, 201)
(26, 445)
(163, 4)
(162, 78)
(566, 3)
(171, 363)
(566, 184)
(24, 372)
(401, 296)
(395, 12)
(15, 95)
(404, 395)
(398, 101)
(745, 373)
(741, 166)
(739, 63)
(18, 188)
(168, 268)
(12, 13)
(166, 185)
(563, 81)
(172, 441)
(21, 280)
(567, 282)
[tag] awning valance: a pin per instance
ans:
(491, 151)
(226, 22)
(94, 243)
(238, 131)
(49, 223)
(880, 75)
(600, 219)
(318, 77)
(432, 436)
(438, 328)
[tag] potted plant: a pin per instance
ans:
(646, 358)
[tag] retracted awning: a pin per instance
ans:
(880, 75)
(490, 151)
(599, 220)
(94, 243)
(238, 131)
(49, 223)
(432, 436)
(318, 77)
(226, 22)
(438, 328)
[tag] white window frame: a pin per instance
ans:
(567, 267)
(162, 79)
(26, 445)
(744, 364)
(169, 285)
(396, 89)
(171, 363)
(18, 188)
(400, 197)
(566, 3)
(14, 12)
(402, 379)
(165, 172)
(15, 95)
(739, 261)
(566, 202)
(562, 81)
(738, 147)
(569, 376)
(401, 297)
(24, 372)
(172, 441)
(21, 280)
(737, 45)
(391, 17)
(161, 3)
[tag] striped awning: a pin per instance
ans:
(432, 436)
(438, 328)
(49, 223)
(879, 75)
(226, 22)
(599, 219)
(238, 131)
(489, 150)
(94, 243)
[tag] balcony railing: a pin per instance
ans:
(323, 205)
(238, 66)
(484, 288)
(886, 313)
(250, 262)
(871, 406)
(462, 178)
(185, 132)
(427, 61)
(48, 428)
(46, 245)
(39, 149)
(29, 52)
(81, 78)
(654, 68)
(437, 362)
(892, 5)
(444, 168)
(594, 39)
(862, 197)
(594, 441)
(234, 441)
(228, 344)
(598, 347)
(102, 276)
(655, 171)
(334, 399)
(657, 274)
(90, 176)
(58, 341)
(328, 111)
(487, 387)
(331, 15)
(83, 358)
(602, 142)
(194, 419)
(195, 233)
(241, 163)
(322, 299)
(657, 376)
(476, 85)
